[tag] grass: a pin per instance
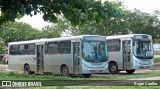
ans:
(100, 87)
(156, 60)
(156, 52)
(122, 76)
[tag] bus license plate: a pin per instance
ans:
(145, 67)
(97, 71)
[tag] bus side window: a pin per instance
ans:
(31, 49)
(65, 47)
(52, 48)
(13, 49)
(22, 49)
(114, 45)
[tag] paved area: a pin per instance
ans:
(147, 78)
(156, 56)
(3, 67)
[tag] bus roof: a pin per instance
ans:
(123, 36)
(52, 39)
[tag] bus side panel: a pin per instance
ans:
(17, 62)
(52, 63)
(117, 57)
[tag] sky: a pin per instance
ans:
(147, 6)
(35, 21)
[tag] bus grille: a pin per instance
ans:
(96, 63)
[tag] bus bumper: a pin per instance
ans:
(139, 65)
(91, 70)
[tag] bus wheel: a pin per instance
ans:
(86, 75)
(130, 71)
(113, 68)
(64, 71)
(27, 69)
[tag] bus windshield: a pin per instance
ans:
(94, 51)
(143, 49)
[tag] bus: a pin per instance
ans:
(75, 55)
(130, 52)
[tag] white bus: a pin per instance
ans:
(130, 52)
(64, 55)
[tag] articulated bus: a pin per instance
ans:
(130, 52)
(84, 55)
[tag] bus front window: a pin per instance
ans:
(94, 51)
(143, 49)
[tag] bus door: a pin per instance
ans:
(126, 47)
(40, 58)
(76, 57)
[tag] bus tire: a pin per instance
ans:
(65, 71)
(86, 75)
(113, 68)
(27, 69)
(130, 71)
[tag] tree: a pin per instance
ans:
(18, 31)
(1, 46)
(50, 32)
(89, 27)
(76, 11)
(143, 23)
(132, 22)
(135, 22)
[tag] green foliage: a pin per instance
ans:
(101, 87)
(18, 31)
(50, 32)
(76, 18)
(15, 76)
(1, 45)
(143, 23)
(75, 11)
(135, 22)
